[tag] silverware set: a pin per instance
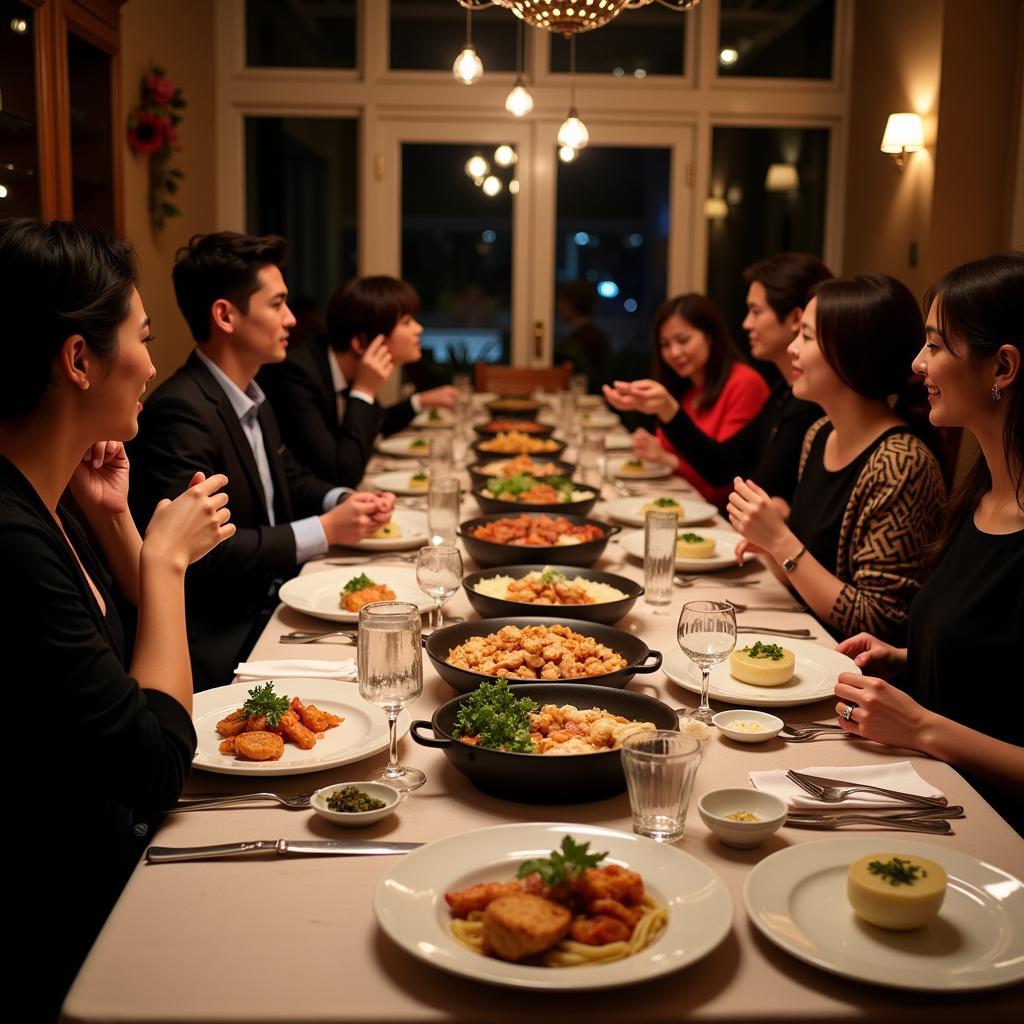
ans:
(803, 733)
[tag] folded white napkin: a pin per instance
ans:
(899, 775)
(297, 668)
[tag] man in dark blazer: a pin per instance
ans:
(212, 416)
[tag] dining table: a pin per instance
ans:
(295, 939)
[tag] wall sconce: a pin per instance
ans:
(716, 208)
(782, 178)
(904, 134)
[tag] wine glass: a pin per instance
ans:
(439, 574)
(390, 670)
(707, 635)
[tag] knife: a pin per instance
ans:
(343, 847)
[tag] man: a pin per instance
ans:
(211, 416)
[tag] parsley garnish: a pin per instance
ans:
(500, 720)
(665, 503)
(433, 415)
(550, 575)
(760, 650)
(263, 701)
(360, 582)
(897, 871)
(634, 463)
(420, 476)
(563, 865)
(420, 443)
(692, 538)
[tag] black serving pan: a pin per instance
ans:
(487, 553)
(539, 778)
(528, 410)
(485, 456)
(480, 478)
(639, 657)
(608, 613)
(535, 429)
(490, 504)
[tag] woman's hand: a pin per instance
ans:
(443, 397)
(873, 655)
(375, 366)
(881, 712)
(647, 446)
(100, 481)
(646, 396)
(193, 524)
(758, 519)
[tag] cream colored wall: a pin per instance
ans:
(180, 38)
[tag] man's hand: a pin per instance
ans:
(375, 367)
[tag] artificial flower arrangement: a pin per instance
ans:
(153, 131)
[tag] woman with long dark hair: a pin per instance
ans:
(702, 369)
(870, 489)
(960, 696)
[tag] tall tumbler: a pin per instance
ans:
(660, 767)
(659, 558)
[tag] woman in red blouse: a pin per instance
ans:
(704, 371)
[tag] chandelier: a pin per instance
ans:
(570, 17)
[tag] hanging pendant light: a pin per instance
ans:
(519, 102)
(573, 132)
(468, 67)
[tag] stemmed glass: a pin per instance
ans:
(390, 669)
(439, 574)
(707, 635)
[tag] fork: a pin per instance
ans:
(792, 735)
(773, 631)
(932, 826)
(767, 607)
(704, 581)
(361, 559)
(203, 801)
(306, 636)
(836, 794)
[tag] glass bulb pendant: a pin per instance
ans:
(519, 102)
(573, 132)
(468, 67)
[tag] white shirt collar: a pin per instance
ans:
(337, 377)
(243, 402)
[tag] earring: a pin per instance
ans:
(996, 393)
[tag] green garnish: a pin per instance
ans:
(419, 443)
(760, 650)
(360, 582)
(897, 871)
(550, 575)
(433, 415)
(263, 701)
(420, 476)
(500, 720)
(353, 800)
(635, 463)
(563, 865)
(692, 538)
(514, 486)
(665, 503)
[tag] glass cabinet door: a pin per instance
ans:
(19, 140)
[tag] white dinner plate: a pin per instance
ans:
(814, 679)
(413, 526)
(631, 510)
(423, 421)
(651, 470)
(401, 446)
(396, 481)
(723, 558)
(797, 899)
(319, 593)
(363, 733)
(590, 419)
(410, 907)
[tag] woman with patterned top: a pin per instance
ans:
(870, 491)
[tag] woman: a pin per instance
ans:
(961, 668)
(869, 492)
(702, 370)
(109, 745)
(325, 393)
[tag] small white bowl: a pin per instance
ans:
(744, 835)
(770, 725)
(353, 819)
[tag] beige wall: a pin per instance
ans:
(179, 37)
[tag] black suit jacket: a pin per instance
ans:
(188, 425)
(302, 392)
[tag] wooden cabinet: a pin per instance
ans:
(61, 115)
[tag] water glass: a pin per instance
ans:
(439, 574)
(589, 459)
(660, 528)
(442, 509)
(463, 383)
(390, 672)
(706, 635)
(439, 461)
(579, 384)
(660, 766)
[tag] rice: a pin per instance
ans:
(600, 593)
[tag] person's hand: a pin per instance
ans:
(193, 524)
(100, 481)
(375, 366)
(646, 396)
(385, 506)
(873, 655)
(647, 446)
(881, 712)
(443, 397)
(757, 518)
(359, 515)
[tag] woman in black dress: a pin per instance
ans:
(102, 746)
(961, 677)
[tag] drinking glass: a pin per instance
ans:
(707, 635)
(660, 766)
(439, 461)
(660, 528)
(463, 383)
(390, 668)
(442, 509)
(589, 460)
(439, 574)
(579, 383)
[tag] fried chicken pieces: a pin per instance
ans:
(250, 738)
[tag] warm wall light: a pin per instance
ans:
(716, 208)
(904, 134)
(781, 178)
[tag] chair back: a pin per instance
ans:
(522, 380)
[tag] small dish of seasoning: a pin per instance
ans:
(743, 818)
(747, 726)
(353, 804)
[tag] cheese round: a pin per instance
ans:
(653, 506)
(695, 548)
(632, 467)
(762, 671)
(898, 907)
(386, 532)
(418, 485)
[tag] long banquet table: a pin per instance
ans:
(292, 939)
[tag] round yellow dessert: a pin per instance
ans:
(692, 545)
(389, 531)
(419, 482)
(663, 505)
(897, 891)
(419, 446)
(632, 466)
(762, 664)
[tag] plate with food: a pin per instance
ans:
(543, 494)
(407, 529)
(698, 548)
(289, 727)
(498, 889)
(405, 446)
(337, 595)
(889, 911)
(638, 469)
(765, 671)
(516, 442)
(434, 419)
(541, 467)
(632, 511)
(501, 539)
(555, 590)
(618, 441)
(401, 481)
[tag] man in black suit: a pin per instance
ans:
(212, 416)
